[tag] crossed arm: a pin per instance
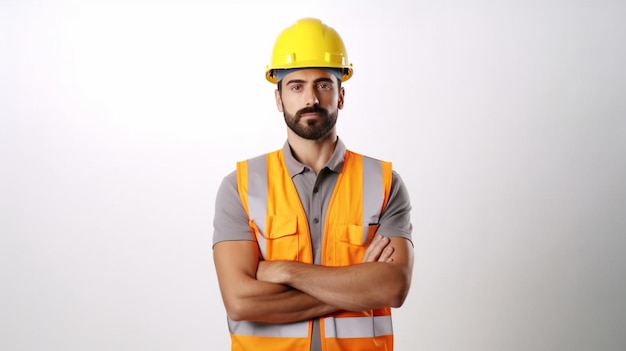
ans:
(286, 291)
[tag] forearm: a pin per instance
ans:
(382, 279)
(356, 288)
(246, 298)
(274, 303)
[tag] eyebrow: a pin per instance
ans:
(318, 80)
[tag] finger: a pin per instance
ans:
(369, 252)
(375, 250)
(385, 255)
(368, 256)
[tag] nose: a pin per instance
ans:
(311, 97)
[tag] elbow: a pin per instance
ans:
(235, 317)
(398, 292)
(397, 300)
(236, 311)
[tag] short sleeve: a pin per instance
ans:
(230, 221)
(395, 220)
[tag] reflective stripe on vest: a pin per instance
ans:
(256, 198)
(280, 224)
(358, 327)
(289, 330)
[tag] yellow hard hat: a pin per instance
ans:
(309, 43)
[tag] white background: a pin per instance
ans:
(506, 119)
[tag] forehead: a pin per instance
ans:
(309, 74)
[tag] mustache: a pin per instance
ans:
(312, 109)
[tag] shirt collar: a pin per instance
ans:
(335, 163)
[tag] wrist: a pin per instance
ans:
(286, 269)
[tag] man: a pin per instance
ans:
(312, 242)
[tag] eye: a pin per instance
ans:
(295, 87)
(324, 86)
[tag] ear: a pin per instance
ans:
(279, 100)
(342, 93)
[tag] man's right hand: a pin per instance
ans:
(380, 250)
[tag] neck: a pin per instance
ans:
(312, 153)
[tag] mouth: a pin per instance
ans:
(311, 115)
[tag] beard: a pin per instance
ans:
(312, 129)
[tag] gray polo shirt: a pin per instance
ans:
(231, 221)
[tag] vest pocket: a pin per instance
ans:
(281, 237)
(279, 226)
(350, 245)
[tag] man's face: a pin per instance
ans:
(310, 100)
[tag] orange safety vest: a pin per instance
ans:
(281, 229)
